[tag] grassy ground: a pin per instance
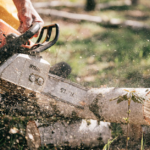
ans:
(98, 56)
(103, 56)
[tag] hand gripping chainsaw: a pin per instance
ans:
(25, 74)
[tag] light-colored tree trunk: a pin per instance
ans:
(53, 4)
(89, 133)
(109, 104)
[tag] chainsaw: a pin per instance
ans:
(25, 77)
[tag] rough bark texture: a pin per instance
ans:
(109, 104)
(114, 104)
(89, 133)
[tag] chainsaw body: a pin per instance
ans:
(25, 72)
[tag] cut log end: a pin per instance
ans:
(33, 136)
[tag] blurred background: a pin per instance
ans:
(106, 42)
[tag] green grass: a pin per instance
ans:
(122, 56)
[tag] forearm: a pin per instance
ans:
(26, 14)
(22, 4)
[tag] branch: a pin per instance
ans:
(100, 6)
(57, 4)
(95, 19)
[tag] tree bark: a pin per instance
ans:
(63, 98)
(113, 104)
(62, 133)
(109, 104)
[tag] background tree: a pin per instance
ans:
(90, 5)
(134, 2)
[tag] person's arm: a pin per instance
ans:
(26, 14)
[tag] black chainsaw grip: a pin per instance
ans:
(14, 41)
(22, 39)
(47, 44)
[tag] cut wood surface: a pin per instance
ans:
(89, 133)
(95, 19)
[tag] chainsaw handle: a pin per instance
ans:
(22, 39)
(14, 41)
(47, 43)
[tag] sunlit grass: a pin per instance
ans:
(126, 51)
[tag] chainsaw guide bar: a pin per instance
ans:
(27, 87)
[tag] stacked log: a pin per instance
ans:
(120, 105)
(109, 104)
(89, 133)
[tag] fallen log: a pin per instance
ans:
(101, 6)
(63, 14)
(95, 19)
(61, 97)
(56, 4)
(89, 133)
(109, 104)
(114, 104)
